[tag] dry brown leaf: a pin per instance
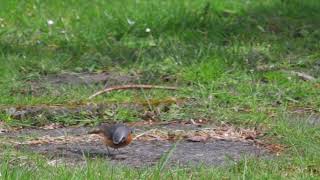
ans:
(275, 148)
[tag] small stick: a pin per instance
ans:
(133, 86)
(303, 76)
(142, 134)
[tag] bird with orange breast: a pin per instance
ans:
(115, 136)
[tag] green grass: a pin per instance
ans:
(215, 51)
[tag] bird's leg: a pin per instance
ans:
(109, 154)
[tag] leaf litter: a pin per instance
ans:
(196, 143)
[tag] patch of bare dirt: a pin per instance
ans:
(314, 119)
(307, 115)
(310, 119)
(195, 144)
(39, 86)
(47, 111)
(105, 78)
(90, 109)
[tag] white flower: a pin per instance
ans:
(50, 22)
(130, 22)
(148, 30)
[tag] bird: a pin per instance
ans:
(115, 136)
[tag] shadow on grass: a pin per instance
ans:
(184, 36)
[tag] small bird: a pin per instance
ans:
(115, 136)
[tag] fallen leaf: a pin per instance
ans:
(250, 137)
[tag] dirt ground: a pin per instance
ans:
(191, 144)
(71, 78)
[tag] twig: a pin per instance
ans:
(194, 123)
(303, 76)
(142, 134)
(133, 86)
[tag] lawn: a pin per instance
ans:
(241, 62)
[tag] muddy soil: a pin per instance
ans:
(73, 145)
